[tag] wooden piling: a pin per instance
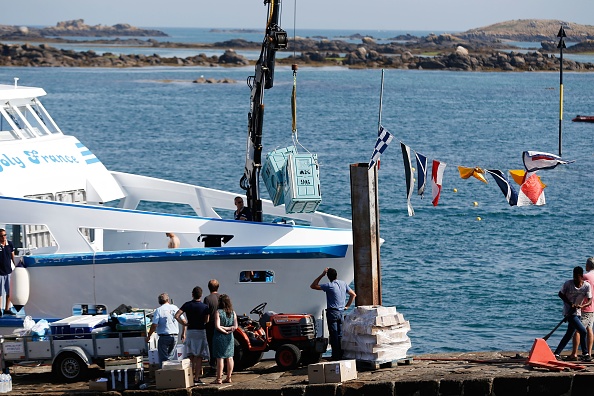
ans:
(366, 239)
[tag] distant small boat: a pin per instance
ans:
(581, 118)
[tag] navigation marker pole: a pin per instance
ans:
(561, 45)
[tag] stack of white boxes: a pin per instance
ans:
(376, 334)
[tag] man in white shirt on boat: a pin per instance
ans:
(6, 261)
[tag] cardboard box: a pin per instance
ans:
(123, 363)
(98, 385)
(176, 364)
(340, 371)
(174, 379)
(315, 373)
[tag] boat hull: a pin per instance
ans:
(136, 279)
(583, 119)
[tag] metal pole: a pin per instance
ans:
(561, 45)
(379, 121)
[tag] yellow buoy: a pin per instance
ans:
(475, 203)
(455, 190)
(478, 218)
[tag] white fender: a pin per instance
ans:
(19, 287)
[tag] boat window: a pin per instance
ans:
(265, 276)
(44, 117)
(7, 131)
(37, 126)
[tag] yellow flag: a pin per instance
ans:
(476, 172)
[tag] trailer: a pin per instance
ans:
(71, 357)
(74, 344)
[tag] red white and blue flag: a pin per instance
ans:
(511, 195)
(436, 180)
(534, 160)
(531, 191)
(384, 138)
(410, 178)
(421, 173)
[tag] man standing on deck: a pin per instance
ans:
(587, 314)
(575, 294)
(212, 300)
(6, 260)
(336, 291)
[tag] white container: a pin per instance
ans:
(180, 352)
(153, 356)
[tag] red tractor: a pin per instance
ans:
(292, 336)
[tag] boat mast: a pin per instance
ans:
(274, 39)
(561, 45)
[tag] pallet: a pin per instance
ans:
(376, 365)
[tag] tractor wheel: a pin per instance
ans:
(70, 367)
(287, 357)
(310, 357)
(244, 358)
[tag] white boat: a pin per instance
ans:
(82, 239)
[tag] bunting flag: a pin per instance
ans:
(531, 191)
(476, 172)
(534, 160)
(408, 172)
(436, 180)
(384, 138)
(506, 188)
(421, 173)
(519, 177)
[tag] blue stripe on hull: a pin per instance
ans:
(195, 254)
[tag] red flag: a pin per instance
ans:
(436, 180)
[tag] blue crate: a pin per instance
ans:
(302, 184)
(273, 171)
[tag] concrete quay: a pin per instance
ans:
(480, 373)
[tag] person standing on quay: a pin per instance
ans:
(166, 326)
(6, 261)
(212, 300)
(222, 341)
(575, 294)
(587, 313)
(336, 292)
(196, 313)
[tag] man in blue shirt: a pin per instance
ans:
(166, 326)
(336, 292)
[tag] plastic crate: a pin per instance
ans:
(302, 184)
(273, 173)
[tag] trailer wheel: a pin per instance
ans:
(70, 367)
(287, 356)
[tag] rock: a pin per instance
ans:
(461, 50)
(230, 57)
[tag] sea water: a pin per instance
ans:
(464, 284)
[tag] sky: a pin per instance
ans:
(424, 15)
